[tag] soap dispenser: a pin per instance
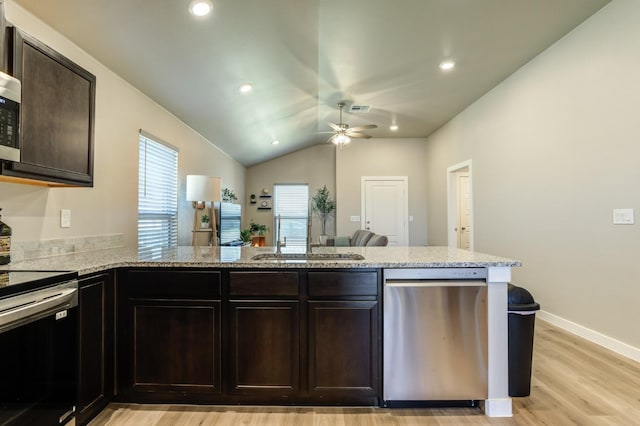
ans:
(5, 242)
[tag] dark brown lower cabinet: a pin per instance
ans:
(176, 346)
(290, 336)
(96, 345)
(343, 350)
(264, 345)
(169, 336)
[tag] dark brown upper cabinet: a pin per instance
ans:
(56, 116)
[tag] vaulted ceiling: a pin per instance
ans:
(303, 56)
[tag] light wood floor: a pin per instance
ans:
(574, 383)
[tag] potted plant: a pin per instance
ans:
(245, 236)
(256, 228)
(204, 221)
(323, 206)
(228, 195)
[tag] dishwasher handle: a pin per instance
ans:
(434, 283)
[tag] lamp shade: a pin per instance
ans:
(203, 188)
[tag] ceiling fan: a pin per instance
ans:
(342, 133)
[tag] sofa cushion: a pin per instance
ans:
(378, 240)
(341, 241)
(361, 237)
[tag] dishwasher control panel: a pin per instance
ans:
(435, 273)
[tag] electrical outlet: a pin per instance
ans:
(623, 216)
(65, 218)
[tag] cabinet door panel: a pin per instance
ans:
(92, 311)
(264, 347)
(342, 283)
(263, 283)
(343, 348)
(96, 362)
(56, 116)
(174, 284)
(176, 346)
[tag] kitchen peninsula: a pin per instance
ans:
(213, 325)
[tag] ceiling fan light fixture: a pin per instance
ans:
(447, 65)
(200, 7)
(393, 127)
(341, 139)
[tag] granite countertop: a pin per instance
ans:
(240, 257)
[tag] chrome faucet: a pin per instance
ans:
(309, 251)
(280, 244)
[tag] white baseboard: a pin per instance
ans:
(592, 336)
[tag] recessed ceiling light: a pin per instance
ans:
(200, 7)
(246, 88)
(275, 142)
(393, 127)
(447, 65)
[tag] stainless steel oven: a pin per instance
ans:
(38, 347)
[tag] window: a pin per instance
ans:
(157, 194)
(292, 205)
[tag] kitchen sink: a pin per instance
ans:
(307, 256)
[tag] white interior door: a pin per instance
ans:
(385, 208)
(460, 205)
(464, 211)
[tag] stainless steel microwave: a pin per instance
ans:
(10, 95)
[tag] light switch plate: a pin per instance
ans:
(355, 218)
(623, 216)
(65, 218)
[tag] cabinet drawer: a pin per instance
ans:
(174, 284)
(263, 283)
(343, 283)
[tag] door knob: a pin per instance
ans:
(463, 228)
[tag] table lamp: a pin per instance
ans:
(201, 189)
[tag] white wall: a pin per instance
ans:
(382, 157)
(555, 148)
(110, 207)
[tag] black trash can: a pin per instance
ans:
(522, 317)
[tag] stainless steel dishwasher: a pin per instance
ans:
(435, 335)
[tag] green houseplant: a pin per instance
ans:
(323, 206)
(204, 221)
(256, 228)
(228, 195)
(245, 236)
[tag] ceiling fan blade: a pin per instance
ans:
(334, 126)
(358, 135)
(368, 126)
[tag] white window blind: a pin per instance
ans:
(157, 194)
(291, 203)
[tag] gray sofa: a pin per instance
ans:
(360, 238)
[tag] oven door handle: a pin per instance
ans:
(37, 309)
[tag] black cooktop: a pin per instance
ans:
(14, 282)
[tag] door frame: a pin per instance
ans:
(405, 201)
(452, 203)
